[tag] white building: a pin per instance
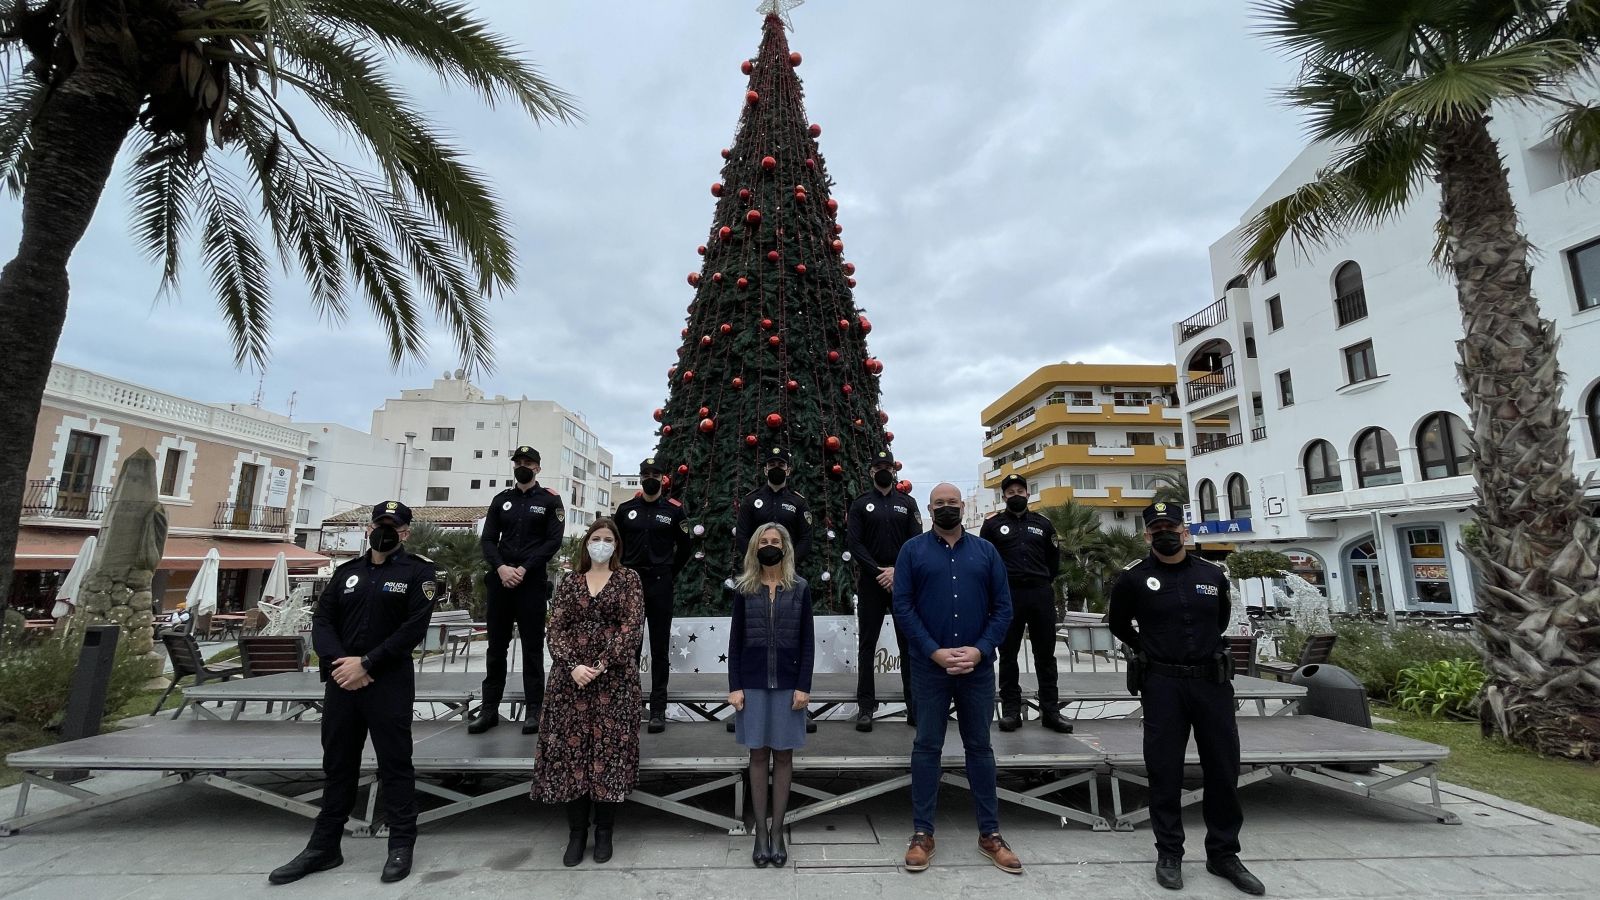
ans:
(1336, 373)
(348, 469)
(623, 487)
(468, 439)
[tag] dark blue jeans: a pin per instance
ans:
(932, 690)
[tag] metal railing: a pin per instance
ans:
(1215, 444)
(48, 499)
(1211, 383)
(234, 517)
(1351, 307)
(1215, 314)
(1258, 434)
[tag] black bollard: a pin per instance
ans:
(86, 697)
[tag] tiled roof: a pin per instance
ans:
(437, 515)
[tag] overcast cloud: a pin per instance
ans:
(1021, 183)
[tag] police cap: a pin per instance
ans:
(1161, 511)
(527, 453)
(882, 458)
(777, 454)
(652, 465)
(392, 509)
(1011, 479)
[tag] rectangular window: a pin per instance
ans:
(493, 482)
(494, 452)
(440, 464)
(1131, 398)
(302, 517)
(1177, 439)
(476, 484)
(310, 474)
(1430, 572)
(77, 474)
(444, 434)
(1360, 364)
(1144, 481)
(605, 472)
(1141, 438)
(1269, 269)
(1584, 263)
(1285, 388)
(174, 462)
(1081, 438)
(438, 494)
(604, 498)
(1275, 312)
(480, 426)
(1085, 482)
(477, 454)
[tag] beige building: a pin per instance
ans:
(228, 482)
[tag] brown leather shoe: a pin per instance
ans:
(919, 852)
(999, 852)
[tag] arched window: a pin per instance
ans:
(1444, 446)
(1377, 459)
(1238, 497)
(1208, 501)
(1237, 281)
(1322, 469)
(1349, 294)
(1594, 421)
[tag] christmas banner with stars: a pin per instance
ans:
(700, 645)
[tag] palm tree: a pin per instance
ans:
(179, 84)
(1405, 91)
(1091, 556)
(1173, 486)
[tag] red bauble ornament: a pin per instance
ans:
(694, 279)
(799, 196)
(832, 444)
(672, 371)
(705, 340)
(883, 417)
(747, 66)
(837, 228)
(766, 324)
(743, 282)
(774, 341)
(800, 268)
(904, 486)
(811, 163)
(837, 245)
(794, 58)
(683, 332)
(753, 217)
(701, 249)
(872, 365)
(815, 130)
(666, 429)
(703, 412)
(848, 390)
(898, 465)
(716, 277)
(726, 154)
(738, 383)
(866, 324)
(888, 437)
(773, 256)
(725, 233)
(725, 328)
(850, 282)
(744, 193)
(860, 423)
(849, 268)
(666, 482)
(707, 426)
(774, 421)
(683, 469)
(716, 189)
(836, 470)
(844, 324)
(769, 163)
(657, 414)
(751, 440)
(752, 97)
(833, 356)
(791, 385)
(688, 375)
(833, 206)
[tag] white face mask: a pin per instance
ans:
(600, 551)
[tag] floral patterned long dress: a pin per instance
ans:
(589, 736)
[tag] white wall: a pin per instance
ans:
(353, 469)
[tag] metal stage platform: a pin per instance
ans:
(694, 760)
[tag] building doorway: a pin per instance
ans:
(1365, 592)
(244, 499)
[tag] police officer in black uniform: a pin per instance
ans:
(655, 543)
(1027, 544)
(370, 618)
(1181, 668)
(520, 536)
(879, 521)
(775, 501)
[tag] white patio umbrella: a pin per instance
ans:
(283, 612)
(67, 594)
(276, 587)
(202, 596)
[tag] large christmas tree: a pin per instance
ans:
(775, 351)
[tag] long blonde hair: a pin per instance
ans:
(750, 581)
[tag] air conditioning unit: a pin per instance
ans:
(1107, 389)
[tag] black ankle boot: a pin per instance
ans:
(577, 839)
(762, 854)
(604, 818)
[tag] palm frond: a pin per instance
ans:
(231, 249)
(1576, 131)
(1465, 89)
(20, 105)
(161, 187)
(1333, 32)
(1341, 102)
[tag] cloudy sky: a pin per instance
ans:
(1021, 183)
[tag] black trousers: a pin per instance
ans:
(1173, 706)
(523, 606)
(658, 616)
(1033, 608)
(383, 710)
(873, 604)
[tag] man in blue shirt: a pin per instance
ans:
(952, 604)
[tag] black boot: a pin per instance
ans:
(604, 819)
(762, 854)
(864, 719)
(1010, 720)
(1169, 873)
(530, 721)
(577, 831)
(658, 720)
(397, 866)
(1056, 723)
(1231, 868)
(488, 717)
(307, 862)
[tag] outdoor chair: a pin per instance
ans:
(184, 651)
(1317, 650)
(1243, 652)
(254, 620)
(200, 627)
(271, 655)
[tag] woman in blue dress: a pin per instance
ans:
(770, 653)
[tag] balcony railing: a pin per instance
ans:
(1215, 314)
(1351, 307)
(49, 499)
(1211, 383)
(1211, 445)
(265, 519)
(1258, 434)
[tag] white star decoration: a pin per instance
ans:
(779, 8)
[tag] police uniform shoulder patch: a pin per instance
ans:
(561, 514)
(551, 492)
(808, 517)
(1130, 566)
(684, 525)
(429, 588)
(421, 557)
(1213, 562)
(675, 501)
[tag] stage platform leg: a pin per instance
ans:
(1034, 798)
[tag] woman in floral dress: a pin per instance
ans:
(589, 731)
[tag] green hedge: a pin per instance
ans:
(1377, 654)
(35, 678)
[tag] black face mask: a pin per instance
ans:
(650, 485)
(1017, 503)
(883, 478)
(947, 517)
(523, 474)
(769, 555)
(776, 476)
(384, 538)
(1167, 543)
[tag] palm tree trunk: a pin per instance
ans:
(74, 145)
(1537, 592)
